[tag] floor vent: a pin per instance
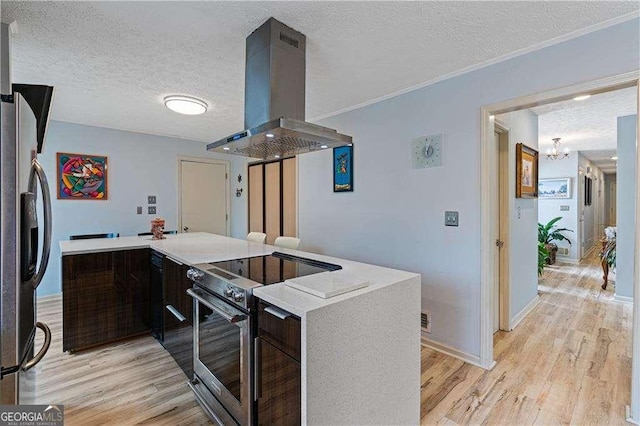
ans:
(425, 321)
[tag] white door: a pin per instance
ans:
(204, 196)
(612, 204)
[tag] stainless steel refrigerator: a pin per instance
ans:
(25, 245)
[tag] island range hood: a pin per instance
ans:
(274, 100)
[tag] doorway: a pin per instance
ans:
(489, 194)
(203, 195)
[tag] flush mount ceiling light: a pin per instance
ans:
(185, 105)
(615, 157)
(554, 153)
(581, 97)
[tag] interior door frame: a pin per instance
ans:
(227, 166)
(488, 208)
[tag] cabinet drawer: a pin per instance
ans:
(284, 334)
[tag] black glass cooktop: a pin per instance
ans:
(273, 268)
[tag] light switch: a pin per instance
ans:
(152, 209)
(151, 199)
(564, 208)
(451, 218)
(139, 210)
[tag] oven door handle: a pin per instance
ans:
(234, 319)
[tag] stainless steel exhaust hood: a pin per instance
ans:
(274, 100)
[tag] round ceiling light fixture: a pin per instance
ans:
(185, 104)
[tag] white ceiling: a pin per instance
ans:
(588, 126)
(113, 62)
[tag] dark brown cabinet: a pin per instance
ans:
(105, 297)
(178, 314)
(279, 371)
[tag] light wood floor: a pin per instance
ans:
(569, 362)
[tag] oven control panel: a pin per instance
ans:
(217, 281)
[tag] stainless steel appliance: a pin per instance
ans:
(224, 328)
(274, 101)
(24, 111)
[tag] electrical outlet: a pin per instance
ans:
(151, 199)
(139, 210)
(152, 209)
(425, 321)
(451, 218)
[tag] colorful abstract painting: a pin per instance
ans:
(82, 177)
(343, 169)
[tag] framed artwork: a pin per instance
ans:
(526, 172)
(554, 188)
(81, 176)
(588, 190)
(343, 169)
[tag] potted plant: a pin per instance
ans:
(543, 254)
(549, 233)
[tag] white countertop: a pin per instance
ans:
(201, 247)
(189, 248)
(300, 303)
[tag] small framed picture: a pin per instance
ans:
(526, 171)
(554, 188)
(343, 169)
(81, 176)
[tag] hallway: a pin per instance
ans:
(569, 361)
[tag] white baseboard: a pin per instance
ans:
(523, 313)
(629, 419)
(448, 350)
(563, 259)
(622, 299)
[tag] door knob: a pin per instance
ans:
(185, 229)
(499, 243)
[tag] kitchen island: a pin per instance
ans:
(359, 351)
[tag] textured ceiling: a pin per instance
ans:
(588, 126)
(113, 62)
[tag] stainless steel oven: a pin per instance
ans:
(222, 351)
(224, 328)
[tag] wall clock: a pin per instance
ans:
(427, 151)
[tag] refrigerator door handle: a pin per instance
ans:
(7, 371)
(38, 171)
(43, 350)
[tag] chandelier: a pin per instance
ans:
(555, 153)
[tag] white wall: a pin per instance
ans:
(550, 208)
(627, 181)
(523, 218)
(139, 165)
(395, 216)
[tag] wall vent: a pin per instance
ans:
(293, 42)
(425, 321)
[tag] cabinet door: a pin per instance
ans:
(176, 283)
(279, 386)
(272, 201)
(105, 297)
(256, 198)
(88, 298)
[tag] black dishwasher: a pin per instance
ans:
(156, 295)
